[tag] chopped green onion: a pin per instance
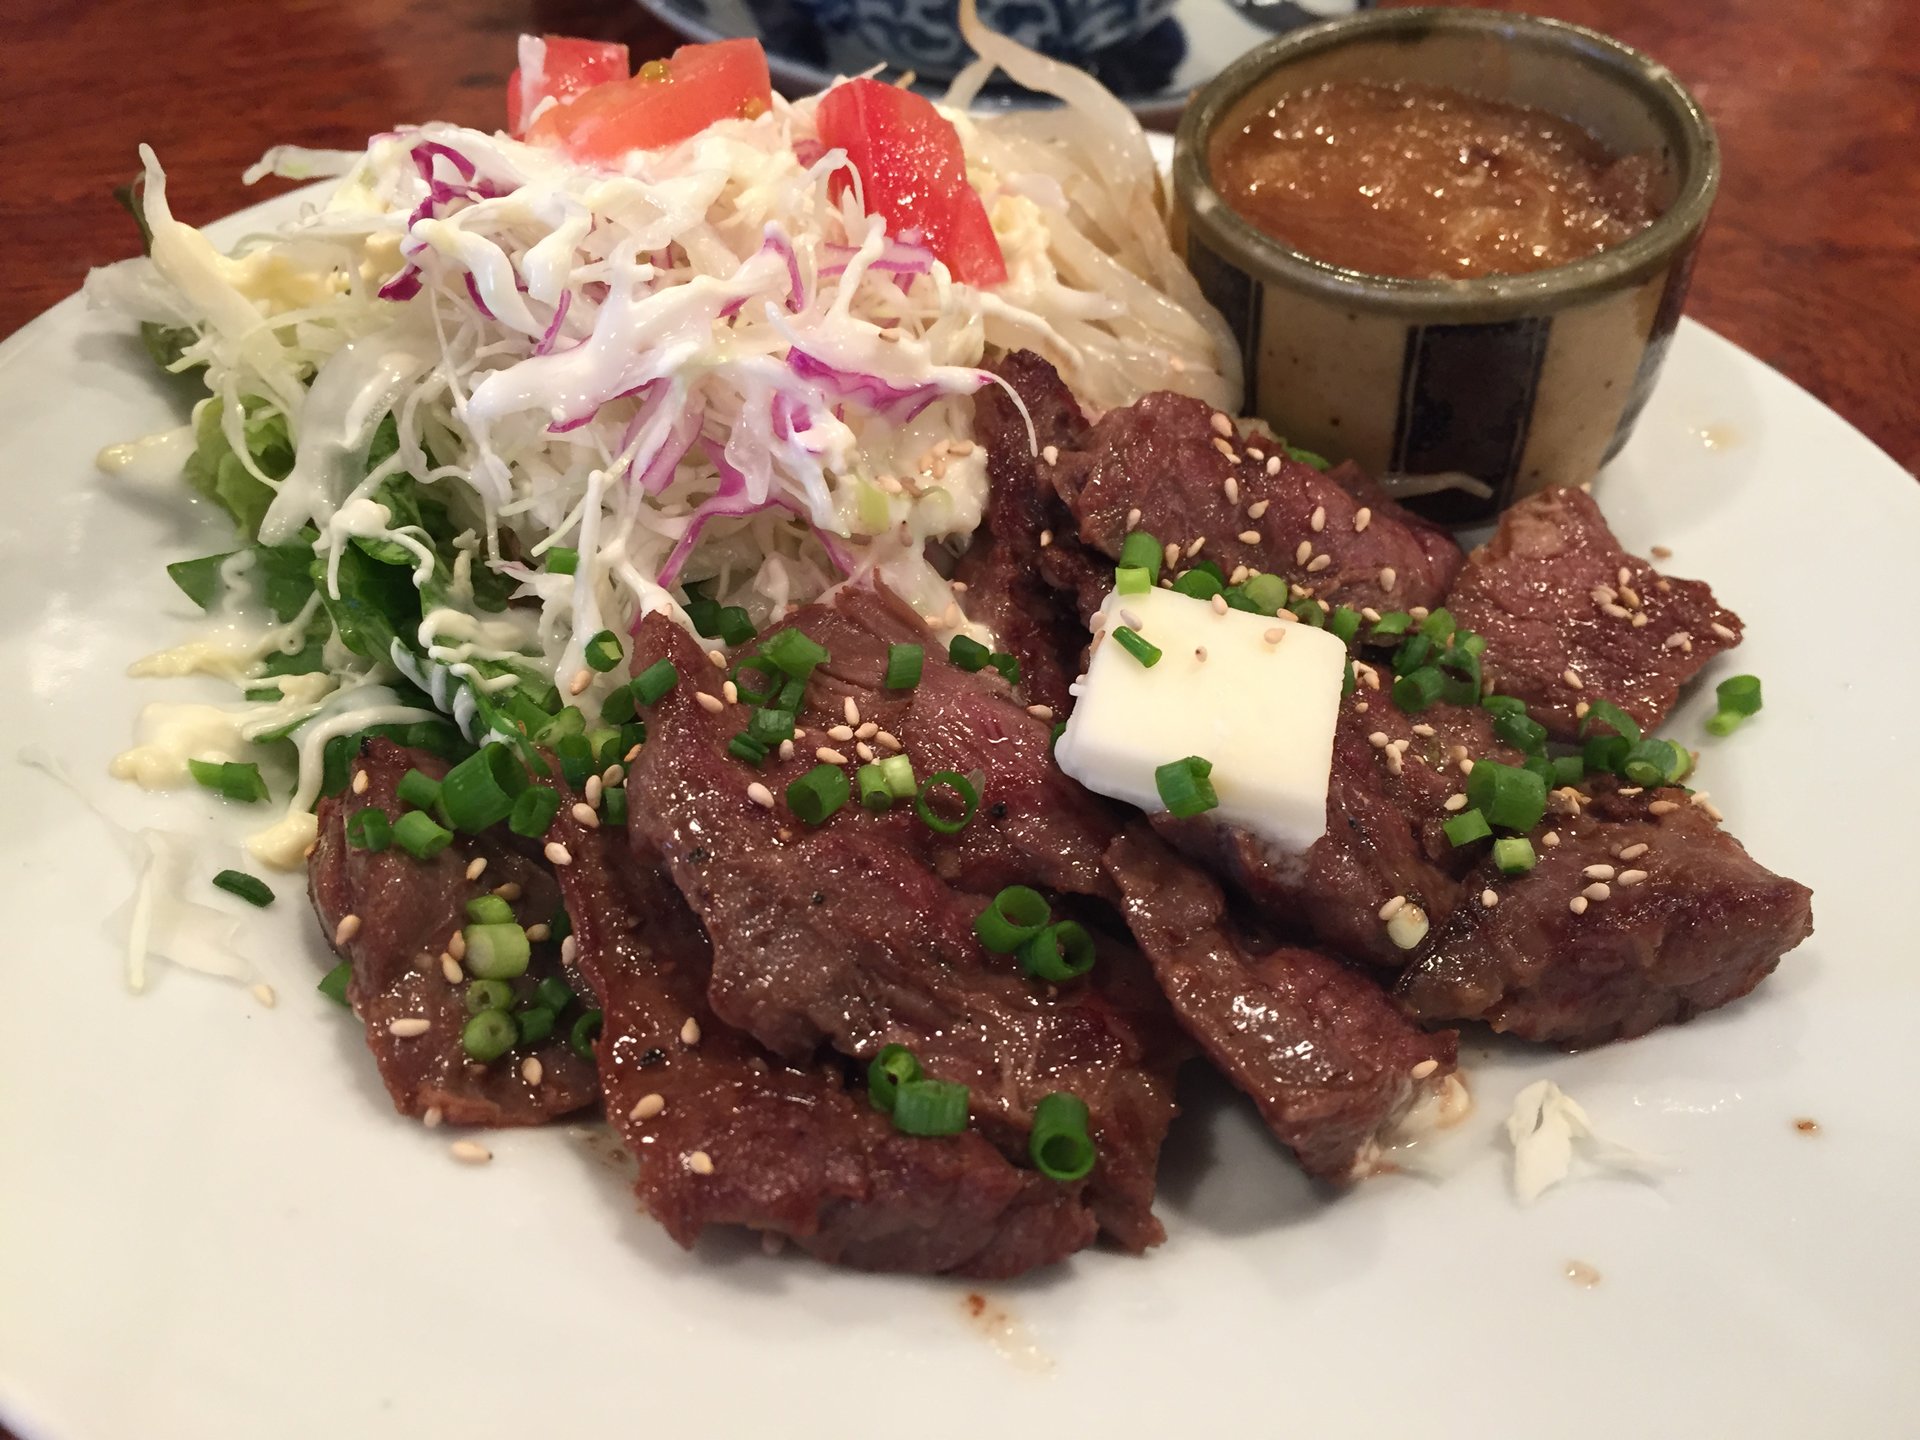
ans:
(1739, 698)
(1307, 457)
(1655, 762)
(489, 910)
(1438, 626)
(1467, 827)
(1015, 916)
(1132, 580)
(1053, 735)
(480, 790)
(654, 682)
(1498, 705)
(967, 653)
(1144, 651)
(562, 924)
(613, 805)
(744, 747)
(533, 811)
(794, 653)
(1510, 797)
(489, 995)
(1513, 855)
(893, 1067)
(904, 663)
(1414, 652)
(489, 1035)
(585, 1031)
(1212, 567)
(753, 691)
(1394, 622)
(536, 1024)
(369, 829)
(570, 720)
(1007, 665)
(247, 887)
(1198, 584)
(1541, 766)
(793, 694)
(497, 951)
(554, 993)
(1184, 787)
(1236, 598)
(1140, 551)
(577, 758)
(1417, 689)
(419, 789)
(872, 787)
(1460, 677)
(818, 793)
(945, 780)
(1309, 612)
(769, 727)
(420, 835)
(562, 560)
(603, 651)
(898, 770)
(930, 1107)
(1568, 770)
(618, 708)
(333, 984)
(1063, 951)
(736, 625)
(1605, 712)
(1605, 754)
(1470, 643)
(1521, 731)
(1344, 623)
(1060, 1146)
(235, 780)
(1267, 592)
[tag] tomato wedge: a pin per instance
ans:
(560, 67)
(665, 103)
(914, 172)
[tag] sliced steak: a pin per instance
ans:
(1320, 1049)
(1556, 597)
(1165, 458)
(404, 912)
(1386, 802)
(1688, 922)
(726, 1135)
(1019, 584)
(859, 933)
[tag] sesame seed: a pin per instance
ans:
(348, 927)
(1387, 577)
(1724, 632)
(1550, 839)
(1273, 464)
(760, 795)
(1046, 538)
(1257, 509)
(1222, 425)
(1133, 517)
(1634, 852)
(1466, 765)
(1454, 802)
(1256, 452)
(1303, 552)
(433, 1117)
(1275, 635)
(827, 756)
(1639, 620)
(1129, 619)
(647, 1106)
(1624, 576)
(264, 994)
(1226, 449)
(613, 775)
(360, 782)
(558, 854)
(840, 732)
(1630, 877)
(1369, 614)
(531, 1070)
(1230, 487)
(1631, 790)
(1392, 907)
(1319, 563)
(1419, 612)
(786, 749)
(1219, 604)
(470, 1152)
(457, 945)
(866, 731)
(1199, 543)
(508, 891)
(1051, 454)
(887, 739)
(1287, 617)
(1249, 537)
(730, 692)
(539, 932)
(1395, 763)
(1362, 518)
(1041, 712)
(1598, 872)
(1424, 1069)
(1661, 552)
(1424, 731)
(582, 678)
(864, 751)
(1713, 810)
(1616, 612)
(690, 1032)
(1599, 890)
(959, 587)
(1663, 586)
(476, 867)
(569, 950)
(961, 449)
(1171, 559)
(851, 711)
(594, 789)
(712, 704)
(450, 968)
(1378, 739)
(585, 814)
(700, 1163)
(1360, 707)
(1578, 905)
(1679, 640)
(1489, 898)
(408, 1027)
(1573, 680)
(1580, 709)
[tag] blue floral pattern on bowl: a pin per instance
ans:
(924, 35)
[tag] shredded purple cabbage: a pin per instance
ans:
(545, 347)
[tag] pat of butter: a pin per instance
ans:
(1261, 710)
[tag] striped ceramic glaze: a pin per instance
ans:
(1520, 381)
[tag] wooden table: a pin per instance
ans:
(1812, 261)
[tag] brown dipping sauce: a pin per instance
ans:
(1430, 183)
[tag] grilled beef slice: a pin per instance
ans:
(1164, 457)
(859, 933)
(406, 911)
(1689, 921)
(1553, 593)
(1321, 1050)
(727, 1135)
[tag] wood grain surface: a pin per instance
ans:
(1812, 260)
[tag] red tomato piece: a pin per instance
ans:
(913, 172)
(560, 67)
(663, 104)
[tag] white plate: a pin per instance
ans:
(213, 1226)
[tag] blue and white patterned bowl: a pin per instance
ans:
(924, 35)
